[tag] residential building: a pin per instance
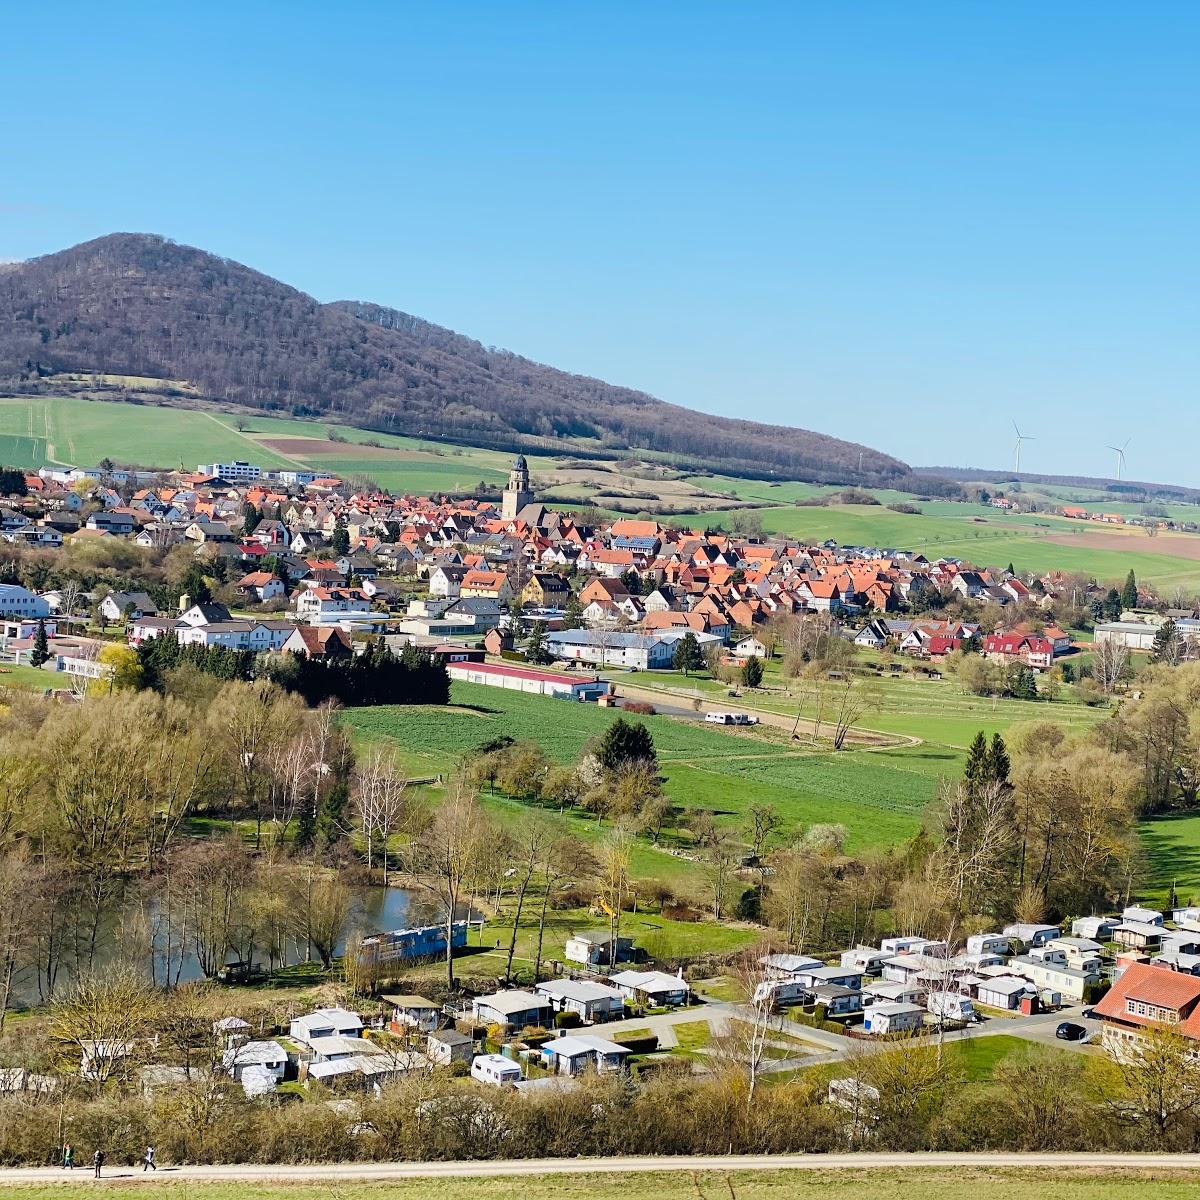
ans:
(513, 1009)
(592, 1001)
(573, 1053)
(1145, 996)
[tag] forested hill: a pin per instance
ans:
(133, 304)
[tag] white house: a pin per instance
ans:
(592, 1001)
(653, 987)
(573, 1053)
(268, 1055)
(325, 1022)
(892, 1017)
(17, 601)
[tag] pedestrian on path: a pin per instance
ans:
(148, 1160)
(98, 1161)
(68, 1157)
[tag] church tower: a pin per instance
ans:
(517, 493)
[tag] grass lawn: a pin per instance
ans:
(978, 1057)
(923, 1181)
(692, 1036)
(661, 938)
(1172, 848)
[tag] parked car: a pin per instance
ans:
(1068, 1031)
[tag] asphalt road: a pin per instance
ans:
(345, 1172)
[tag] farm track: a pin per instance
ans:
(862, 737)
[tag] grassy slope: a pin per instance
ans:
(927, 1181)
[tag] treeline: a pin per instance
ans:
(376, 676)
(908, 1099)
(137, 305)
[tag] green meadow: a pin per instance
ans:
(877, 795)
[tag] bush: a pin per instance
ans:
(643, 1044)
(639, 707)
(567, 1020)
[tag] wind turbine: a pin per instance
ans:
(1021, 437)
(1120, 452)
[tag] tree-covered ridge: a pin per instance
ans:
(132, 304)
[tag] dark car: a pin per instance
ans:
(1068, 1031)
(1089, 1013)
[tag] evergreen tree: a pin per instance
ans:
(998, 763)
(976, 771)
(251, 518)
(341, 540)
(624, 742)
(1023, 685)
(1129, 593)
(1112, 605)
(41, 646)
(195, 586)
(1166, 644)
(572, 612)
(688, 656)
(536, 651)
(752, 671)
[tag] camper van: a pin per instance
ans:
(775, 992)
(727, 718)
(495, 1069)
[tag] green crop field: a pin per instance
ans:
(925, 1180)
(877, 795)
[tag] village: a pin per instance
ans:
(302, 564)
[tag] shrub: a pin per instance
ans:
(639, 707)
(641, 1044)
(567, 1020)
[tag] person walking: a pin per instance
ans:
(148, 1160)
(98, 1161)
(68, 1157)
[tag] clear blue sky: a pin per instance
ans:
(905, 224)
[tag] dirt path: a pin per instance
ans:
(862, 739)
(1122, 1164)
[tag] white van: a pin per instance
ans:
(494, 1069)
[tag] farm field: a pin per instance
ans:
(877, 795)
(926, 1180)
(71, 430)
(951, 530)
